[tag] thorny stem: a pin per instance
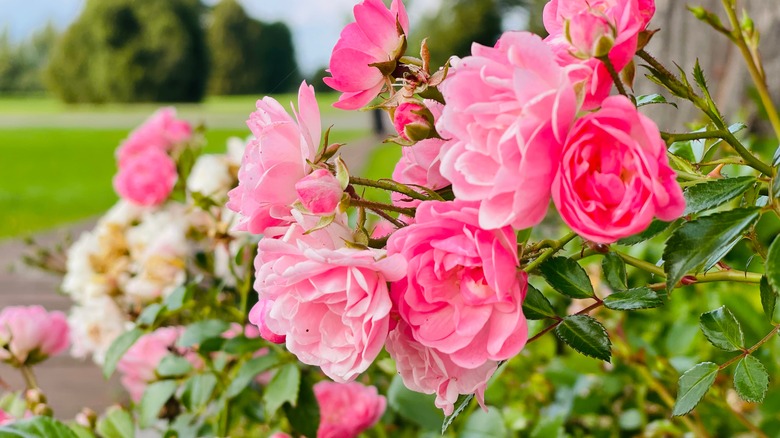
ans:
(374, 206)
(683, 90)
(673, 138)
(555, 246)
(389, 186)
(754, 67)
(615, 77)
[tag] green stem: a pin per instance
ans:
(616, 77)
(29, 377)
(730, 275)
(754, 67)
(750, 350)
(555, 246)
(673, 138)
(641, 264)
(373, 206)
(690, 176)
(389, 185)
(558, 321)
(681, 89)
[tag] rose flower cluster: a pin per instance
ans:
(438, 282)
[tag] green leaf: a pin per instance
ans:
(149, 314)
(304, 417)
(414, 406)
(461, 404)
(198, 390)
(751, 379)
(705, 241)
(536, 305)
(483, 424)
(37, 427)
(768, 298)
(173, 365)
(116, 423)
(586, 335)
(684, 150)
(656, 227)
(722, 329)
(248, 371)
(118, 348)
(241, 345)
(634, 299)
(615, 271)
(79, 430)
(692, 386)
(282, 389)
(567, 277)
(178, 297)
(772, 267)
(712, 193)
(155, 397)
(649, 99)
(202, 330)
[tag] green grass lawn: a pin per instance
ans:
(50, 177)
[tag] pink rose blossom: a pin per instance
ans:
(508, 110)
(347, 409)
(320, 192)
(614, 175)
(146, 178)
(161, 131)
(258, 315)
(415, 121)
(580, 16)
(331, 304)
(139, 363)
(462, 294)
(428, 371)
(274, 161)
(373, 38)
(30, 334)
(591, 34)
(6, 418)
(589, 77)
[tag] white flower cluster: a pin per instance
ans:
(139, 255)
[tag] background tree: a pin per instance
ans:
(21, 64)
(132, 51)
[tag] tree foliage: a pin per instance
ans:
(126, 51)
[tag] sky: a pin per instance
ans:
(315, 24)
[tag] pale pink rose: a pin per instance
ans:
(590, 34)
(332, 305)
(258, 315)
(624, 17)
(30, 334)
(382, 228)
(138, 365)
(274, 161)
(320, 192)
(6, 418)
(347, 409)
(373, 38)
(508, 110)
(147, 178)
(419, 165)
(614, 175)
(429, 371)
(463, 292)
(160, 131)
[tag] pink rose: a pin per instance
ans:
(462, 294)
(415, 121)
(591, 34)
(147, 178)
(614, 175)
(161, 131)
(373, 38)
(508, 110)
(139, 363)
(30, 334)
(332, 305)
(577, 18)
(6, 418)
(258, 315)
(274, 161)
(428, 371)
(320, 192)
(346, 409)
(589, 76)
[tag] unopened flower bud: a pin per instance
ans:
(34, 396)
(591, 34)
(87, 418)
(413, 121)
(42, 409)
(320, 192)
